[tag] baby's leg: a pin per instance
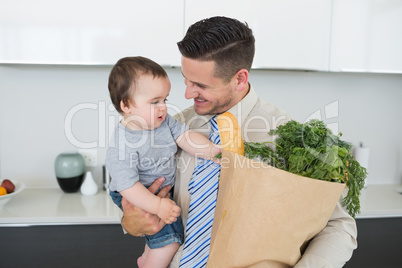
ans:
(161, 257)
(141, 260)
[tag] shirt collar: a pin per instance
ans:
(242, 109)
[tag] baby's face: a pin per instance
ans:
(148, 106)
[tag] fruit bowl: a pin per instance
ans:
(19, 187)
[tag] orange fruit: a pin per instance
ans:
(3, 191)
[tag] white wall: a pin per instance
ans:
(35, 101)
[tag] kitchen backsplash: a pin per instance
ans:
(45, 110)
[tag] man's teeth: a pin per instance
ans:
(200, 100)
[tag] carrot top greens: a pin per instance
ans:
(312, 150)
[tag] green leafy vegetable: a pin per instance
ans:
(218, 156)
(312, 150)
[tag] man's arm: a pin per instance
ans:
(334, 245)
(136, 221)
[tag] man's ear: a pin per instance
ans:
(242, 79)
(124, 107)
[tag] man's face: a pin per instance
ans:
(211, 94)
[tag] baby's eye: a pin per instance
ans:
(154, 102)
(165, 100)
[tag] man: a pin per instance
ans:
(217, 54)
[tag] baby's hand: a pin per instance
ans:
(168, 210)
(216, 153)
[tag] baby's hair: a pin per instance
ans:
(124, 75)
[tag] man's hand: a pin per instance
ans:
(136, 221)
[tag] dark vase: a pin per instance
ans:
(70, 170)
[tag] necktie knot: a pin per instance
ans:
(214, 134)
(213, 121)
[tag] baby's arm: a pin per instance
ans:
(196, 144)
(139, 196)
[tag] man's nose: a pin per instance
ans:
(191, 92)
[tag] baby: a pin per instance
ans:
(145, 143)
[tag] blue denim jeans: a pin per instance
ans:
(170, 233)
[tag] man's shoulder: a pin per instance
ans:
(263, 117)
(270, 111)
(185, 115)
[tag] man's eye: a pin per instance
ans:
(200, 86)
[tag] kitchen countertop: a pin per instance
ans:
(51, 206)
(381, 201)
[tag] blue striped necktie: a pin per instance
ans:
(203, 189)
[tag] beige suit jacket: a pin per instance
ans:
(330, 248)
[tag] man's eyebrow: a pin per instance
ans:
(197, 83)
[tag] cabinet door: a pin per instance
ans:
(367, 36)
(90, 31)
(290, 34)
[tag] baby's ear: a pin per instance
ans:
(125, 107)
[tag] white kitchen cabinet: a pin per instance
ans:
(367, 36)
(290, 34)
(90, 31)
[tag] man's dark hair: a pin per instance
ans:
(226, 41)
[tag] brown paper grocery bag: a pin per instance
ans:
(265, 216)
